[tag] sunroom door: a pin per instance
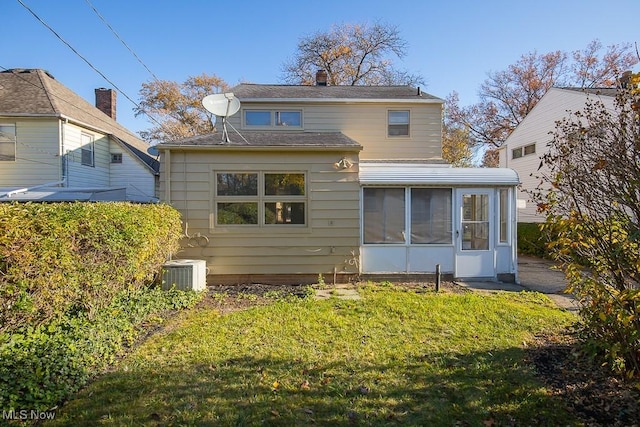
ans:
(474, 234)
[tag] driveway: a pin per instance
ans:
(534, 274)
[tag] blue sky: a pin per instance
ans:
(452, 44)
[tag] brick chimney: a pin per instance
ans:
(321, 78)
(106, 101)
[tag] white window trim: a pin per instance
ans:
(92, 149)
(15, 141)
(521, 149)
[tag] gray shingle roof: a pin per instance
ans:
(270, 139)
(388, 93)
(604, 91)
(35, 92)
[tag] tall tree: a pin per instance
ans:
(457, 144)
(177, 108)
(507, 96)
(351, 54)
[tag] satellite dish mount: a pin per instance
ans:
(223, 105)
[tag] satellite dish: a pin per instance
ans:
(153, 151)
(221, 104)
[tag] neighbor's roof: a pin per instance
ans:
(604, 91)
(293, 93)
(266, 139)
(36, 93)
(430, 174)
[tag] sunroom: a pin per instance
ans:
(417, 216)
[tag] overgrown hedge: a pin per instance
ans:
(65, 258)
(74, 291)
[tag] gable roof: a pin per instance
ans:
(36, 93)
(295, 93)
(269, 140)
(604, 91)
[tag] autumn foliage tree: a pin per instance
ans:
(176, 108)
(593, 212)
(507, 96)
(351, 54)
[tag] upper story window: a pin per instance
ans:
(273, 118)
(260, 198)
(516, 153)
(87, 150)
(7, 142)
(398, 123)
(116, 157)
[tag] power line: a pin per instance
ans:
(121, 40)
(170, 132)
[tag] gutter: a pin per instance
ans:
(276, 148)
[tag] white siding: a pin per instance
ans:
(79, 175)
(37, 154)
(535, 128)
(131, 174)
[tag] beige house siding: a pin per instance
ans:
(37, 154)
(329, 240)
(366, 123)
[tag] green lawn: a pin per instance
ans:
(393, 358)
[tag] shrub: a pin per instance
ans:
(63, 258)
(74, 292)
(43, 365)
(593, 168)
(530, 239)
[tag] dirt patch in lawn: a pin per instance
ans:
(589, 389)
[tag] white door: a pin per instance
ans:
(474, 234)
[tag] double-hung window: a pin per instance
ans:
(398, 123)
(7, 142)
(87, 150)
(260, 198)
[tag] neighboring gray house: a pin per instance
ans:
(54, 145)
(338, 181)
(523, 149)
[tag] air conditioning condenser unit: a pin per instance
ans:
(185, 274)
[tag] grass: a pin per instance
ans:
(392, 358)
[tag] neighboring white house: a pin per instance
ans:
(54, 145)
(523, 149)
(339, 181)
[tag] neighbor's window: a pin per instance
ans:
(271, 118)
(87, 150)
(398, 122)
(7, 142)
(116, 157)
(504, 215)
(260, 198)
(516, 153)
(431, 215)
(384, 215)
